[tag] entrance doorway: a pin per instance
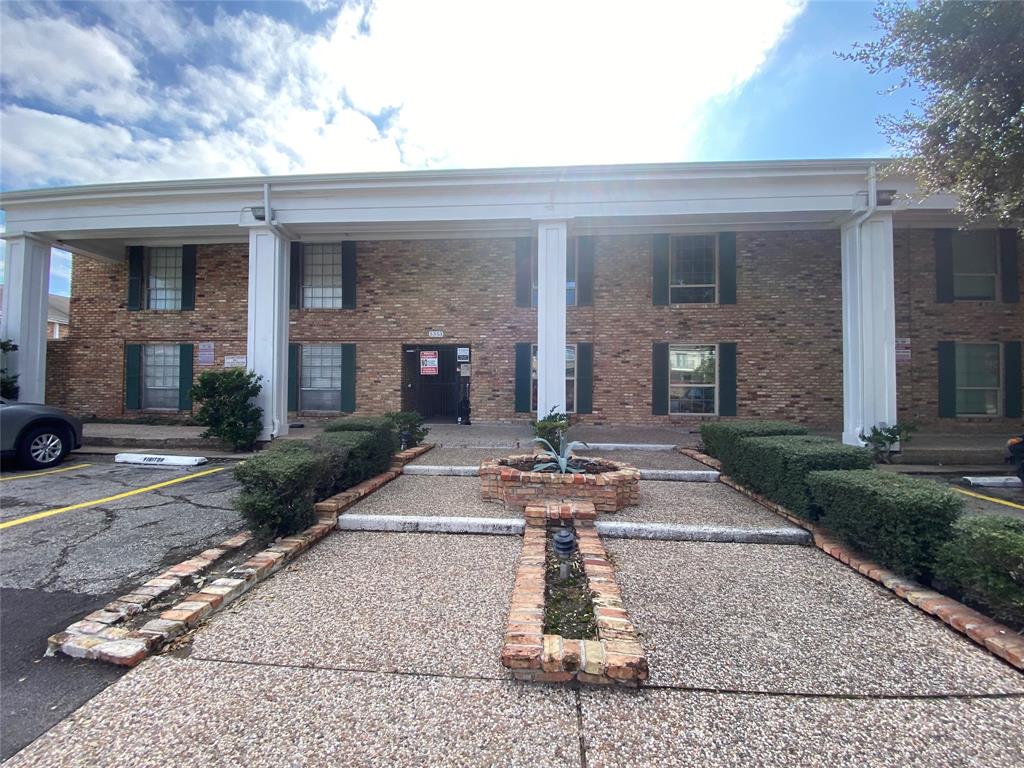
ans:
(432, 384)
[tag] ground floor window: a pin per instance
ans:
(978, 379)
(692, 378)
(160, 376)
(570, 379)
(320, 377)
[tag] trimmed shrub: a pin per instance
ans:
(410, 422)
(352, 457)
(898, 521)
(719, 437)
(226, 407)
(983, 565)
(778, 466)
(278, 488)
(552, 428)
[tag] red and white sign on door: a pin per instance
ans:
(428, 363)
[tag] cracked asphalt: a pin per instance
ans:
(55, 570)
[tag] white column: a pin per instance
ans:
(267, 341)
(869, 327)
(551, 246)
(26, 298)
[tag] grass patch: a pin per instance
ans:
(568, 604)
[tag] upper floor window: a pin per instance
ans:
(571, 261)
(978, 379)
(975, 265)
(163, 278)
(570, 379)
(693, 276)
(692, 378)
(322, 276)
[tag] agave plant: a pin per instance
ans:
(558, 461)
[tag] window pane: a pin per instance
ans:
(320, 377)
(693, 262)
(570, 273)
(163, 278)
(691, 365)
(160, 371)
(693, 295)
(974, 252)
(321, 276)
(982, 402)
(974, 286)
(700, 400)
(570, 377)
(977, 365)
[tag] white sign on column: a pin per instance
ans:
(267, 340)
(552, 240)
(25, 304)
(869, 327)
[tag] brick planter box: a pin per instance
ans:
(608, 491)
(616, 657)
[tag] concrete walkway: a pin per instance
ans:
(382, 649)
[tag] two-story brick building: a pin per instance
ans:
(816, 291)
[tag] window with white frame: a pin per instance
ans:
(321, 276)
(694, 270)
(160, 376)
(975, 265)
(978, 379)
(320, 377)
(570, 378)
(163, 278)
(570, 273)
(692, 378)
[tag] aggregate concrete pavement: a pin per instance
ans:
(697, 504)
(461, 456)
(432, 496)
(57, 569)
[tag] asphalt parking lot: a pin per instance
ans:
(985, 500)
(71, 540)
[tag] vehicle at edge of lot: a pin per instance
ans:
(40, 436)
(1015, 454)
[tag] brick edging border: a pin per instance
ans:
(996, 638)
(97, 636)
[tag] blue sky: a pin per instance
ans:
(97, 92)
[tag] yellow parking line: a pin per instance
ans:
(117, 497)
(44, 472)
(989, 498)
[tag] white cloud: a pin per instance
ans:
(465, 83)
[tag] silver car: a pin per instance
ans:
(39, 435)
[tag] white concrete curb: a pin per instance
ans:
(615, 530)
(630, 446)
(680, 475)
(993, 482)
(159, 460)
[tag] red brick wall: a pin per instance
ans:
(926, 322)
(787, 324)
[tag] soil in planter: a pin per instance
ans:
(589, 466)
(568, 604)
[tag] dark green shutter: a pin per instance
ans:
(524, 277)
(188, 277)
(584, 377)
(727, 379)
(659, 273)
(136, 263)
(1011, 380)
(348, 378)
(348, 274)
(726, 267)
(293, 377)
(585, 271)
(659, 379)
(295, 275)
(184, 377)
(1008, 268)
(947, 378)
(133, 377)
(944, 266)
(524, 362)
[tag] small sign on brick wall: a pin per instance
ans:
(206, 350)
(234, 361)
(902, 349)
(428, 363)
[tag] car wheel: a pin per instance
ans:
(43, 447)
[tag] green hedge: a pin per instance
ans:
(719, 437)
(778, 466)
(983, 565)
(278, 488)
(898, 521)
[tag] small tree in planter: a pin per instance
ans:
(552, 428)
(881, 440)
(226, 406)
(409, 425)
